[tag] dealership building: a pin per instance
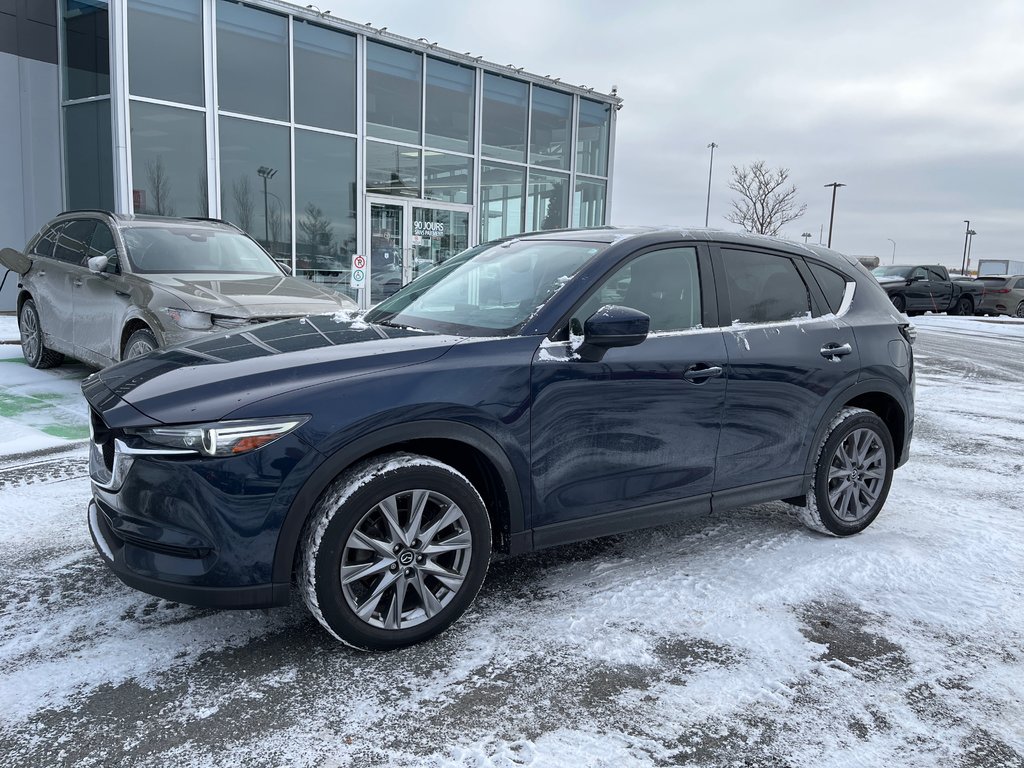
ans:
(322, 138)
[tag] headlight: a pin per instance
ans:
(186, 318)
(226, 438)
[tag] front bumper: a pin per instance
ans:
(113, 551)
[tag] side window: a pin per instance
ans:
(45, 244)
(832, 284)
(934, 274)
(74, 241)
(102, 241)
(663, 284)
(764, 288)
(918, 272)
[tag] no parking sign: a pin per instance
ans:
(358, 279)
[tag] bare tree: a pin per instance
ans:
(159, 188)
(245, 205)
(316, 228)
(765, 203)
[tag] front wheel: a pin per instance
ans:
(394, 552)
(140, 343)
(899, 302)
(852, 474)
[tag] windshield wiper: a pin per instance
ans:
(389, 324)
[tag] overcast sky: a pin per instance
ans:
(917, 106)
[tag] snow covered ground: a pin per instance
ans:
(737, 639)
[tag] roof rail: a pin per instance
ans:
(87, 210)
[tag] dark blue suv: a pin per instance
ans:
(526, 393)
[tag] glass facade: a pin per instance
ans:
(297, 127)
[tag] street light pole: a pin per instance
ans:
(970, 233)
(806, 236)
(711, 164)
(893, 249)
(266, 174)
(967, 234)
(835, 185)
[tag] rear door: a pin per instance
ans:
(788, 353)
(617, 443)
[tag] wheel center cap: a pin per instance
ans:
(406, 557)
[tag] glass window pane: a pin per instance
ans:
(168, 160)
(86, 49)
(450, 106)
(832, 284)
(255, 188)
(165, 50)
(325, 78)
(392, 169)
(394, 80)
(325, 206)
(592, 144)
(437, 236)
(89, 155)
(74, 241)
(502, 189)
(504, 118)
(547, 201)
(550, 128)
(588, 203)
(252, 61)
(447, 177)
(764, 288)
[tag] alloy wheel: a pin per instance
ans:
(1020, 309)
(406, 559)
(856, 475)
(138, 349)
(31, 341)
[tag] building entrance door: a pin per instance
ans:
(407, 238)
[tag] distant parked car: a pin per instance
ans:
(920, 288)
(545, 389)
(1004, 295)
(102, 287)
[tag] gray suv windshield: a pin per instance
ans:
(183, 249)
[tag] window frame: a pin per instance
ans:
(823, 299)
(85, 243)
(725, 314)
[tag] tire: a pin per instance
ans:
(36, 353)
(964, 306)
(899, 302)
(140, 343)
(857, 443)
(1020, 310)
(374, 584)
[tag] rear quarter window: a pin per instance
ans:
(832, 284)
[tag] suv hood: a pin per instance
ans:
(207, 379)
(247, 296)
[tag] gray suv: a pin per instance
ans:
(103, 287)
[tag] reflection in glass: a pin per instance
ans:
(447, 177)
(437, 236)
(450, 106)
(386, 248)
(89, 155)
(168, 160)
(392, 169)
(86, 48)
(592, 142)
(325, 206)
(504, 118)
(325, 77)
(550, 128)
(547, 201)
(502, 189)
(165, 50)
(588, 203)
(255, 191)
(394, 80)
(252, 61)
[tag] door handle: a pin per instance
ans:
(701, 372)
(836, 350)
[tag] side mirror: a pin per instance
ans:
(97, 264)
(105, 264)
(611, 326)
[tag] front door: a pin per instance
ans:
(409, 237)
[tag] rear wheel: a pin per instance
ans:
(36, 353)
(1020, 310)
(899, 302)
(965, 306)
(395, 551)
(852, 474)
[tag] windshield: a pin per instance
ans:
(184, 249)
(490, 290)
(903, 272)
